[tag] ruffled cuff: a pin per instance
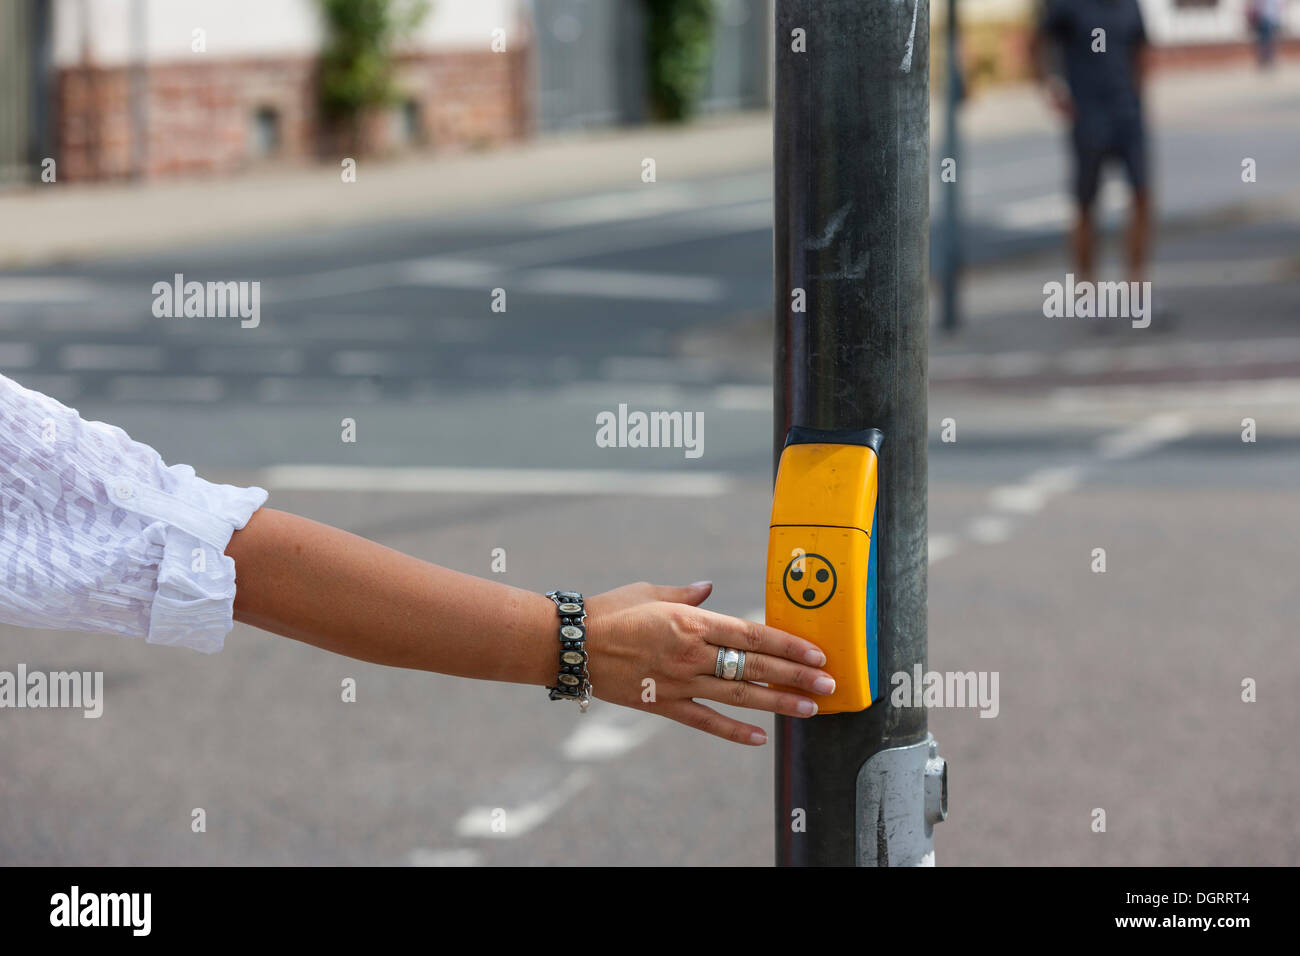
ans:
(194, 604)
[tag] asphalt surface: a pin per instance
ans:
(1118, 690)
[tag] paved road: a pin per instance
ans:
(1118, 690)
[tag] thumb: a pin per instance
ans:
(692, 594)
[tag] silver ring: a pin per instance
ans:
(731, 664)
(717, 667)
(740, 667)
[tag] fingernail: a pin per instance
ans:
(815, 658)
(701, 584)
(824, 685)
(807, 708)
(758, 737)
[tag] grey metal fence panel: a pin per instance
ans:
(741, 63)
(15, 90)
(589, 61)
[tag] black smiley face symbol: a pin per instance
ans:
(809, 580)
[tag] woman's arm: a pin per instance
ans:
(343, 593)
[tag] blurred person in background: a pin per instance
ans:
(1102, 46)
(1265, 20)
(98, 533)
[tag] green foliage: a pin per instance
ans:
(679, 35)
(356, 65)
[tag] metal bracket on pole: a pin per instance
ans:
(902, 793)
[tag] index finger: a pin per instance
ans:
(752, 636)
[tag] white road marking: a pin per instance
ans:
(48, 289)
(743, 398)
(619, 284)
(1031, 494)
(475, 266)
(621, 368)
(989, 529)
(497, 481)
(364, 362)
(253, 359)
(453, 271)
(597, 283)
(164, 388)
(647, 201)
(653, 200)
(459, 857)
(634, 394)
(942, 546)
(608, 734)
(1056, 209)
(518, 821)
(14, 355)
(1257, 392)
(1091, 360)
(1143, 437)
(1017, 364)
(133, 358)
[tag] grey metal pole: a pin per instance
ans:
(952, 257)
(852, 210)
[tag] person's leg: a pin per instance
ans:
(1138, 242)
(1089, 150)
(1137, 245)
(1269, 43)
(1084, 243)
(1133, 151)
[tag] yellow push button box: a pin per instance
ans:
(821, 556)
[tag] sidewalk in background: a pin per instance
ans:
(52, 223)
(1174, 97)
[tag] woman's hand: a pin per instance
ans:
(645, 631)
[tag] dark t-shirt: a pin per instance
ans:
(1098, 80)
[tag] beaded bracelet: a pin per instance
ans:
(573, 682)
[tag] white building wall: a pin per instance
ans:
(1166, 23)
(246, 28)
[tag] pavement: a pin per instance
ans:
(1119, 690)
(51, 223)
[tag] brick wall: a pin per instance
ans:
(199, 118)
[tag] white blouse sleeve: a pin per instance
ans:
(97, 533)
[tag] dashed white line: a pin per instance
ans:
(989, 529)
(942, 546)
(131, 358)
(48, 289)
(1259, 392)
(498, 481)
(162, 388)
(1143, 437)
(15, 355)
(1029, 496)
(608, 734)
(620, 284)
(1033, 493)
(511, 822)
(456, 857)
